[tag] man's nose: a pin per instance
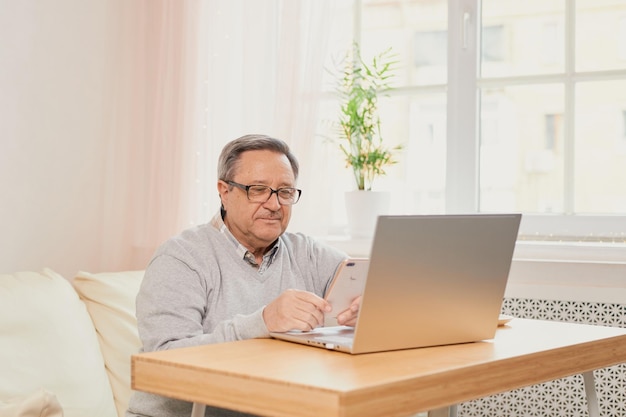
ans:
(273, 202)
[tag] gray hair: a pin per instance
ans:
(229, 158)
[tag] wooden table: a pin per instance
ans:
(275, 378)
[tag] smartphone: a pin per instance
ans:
(347, 284)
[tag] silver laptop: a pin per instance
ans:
(432, 280)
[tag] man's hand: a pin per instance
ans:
(348, 317)
(295, 310)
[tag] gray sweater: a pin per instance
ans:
(200, 289)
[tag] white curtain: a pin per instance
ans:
(150, 165)
(99, 117)
(264, 75)
(113, 113)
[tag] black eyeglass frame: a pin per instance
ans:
(246, 188)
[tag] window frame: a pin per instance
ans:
(464, 87)
(566, 235)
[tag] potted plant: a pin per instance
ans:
(360, 138)
(360, 135)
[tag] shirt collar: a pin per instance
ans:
(243, 253)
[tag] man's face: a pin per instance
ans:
(257, 225)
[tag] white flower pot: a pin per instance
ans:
(363, 209)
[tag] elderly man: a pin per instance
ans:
(241, 275)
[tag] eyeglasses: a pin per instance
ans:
(262, 193)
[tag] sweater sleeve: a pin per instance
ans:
(172, 304)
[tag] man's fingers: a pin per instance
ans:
(318, 302)
(295, 310)
(349, 316)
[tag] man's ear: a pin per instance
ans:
(222, 189)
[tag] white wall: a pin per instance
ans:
(54, 81)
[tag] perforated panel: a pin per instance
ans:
(564, 397)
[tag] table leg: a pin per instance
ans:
(440, 412)
(444, 412)
(198, 410)
(592, 396)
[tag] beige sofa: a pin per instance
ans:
(65, 345)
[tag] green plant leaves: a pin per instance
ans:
(361, 140)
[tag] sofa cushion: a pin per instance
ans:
(40, 403)
(49, 342)
(110, 299)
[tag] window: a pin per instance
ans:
(524, 123)
(552, 44)
(621, 39)
(553, 130)
(493, 46)
(430, 48)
